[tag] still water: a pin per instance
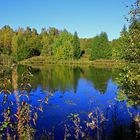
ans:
(63, 102)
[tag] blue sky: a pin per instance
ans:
(87, 17)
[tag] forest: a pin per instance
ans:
(23, 43)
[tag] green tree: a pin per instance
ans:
(48, 37)
(47, 45)
(34, 43)
(95, 50)
(21, 46)
(76, 45)
(6, 35)
(100, 47)
(116, 49)
(63, 46)
(118, 45)
(131, 51)
(86, 45)
(129, 77)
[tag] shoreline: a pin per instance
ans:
(44, 61)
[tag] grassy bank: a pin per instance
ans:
(42, 61)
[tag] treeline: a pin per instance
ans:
(22, 44)
(62, 45)
(100, 47)
(126, 47)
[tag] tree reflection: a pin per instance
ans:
(99, 77)
(66, 78)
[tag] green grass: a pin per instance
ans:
(45, 60)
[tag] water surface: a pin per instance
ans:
(69, 98)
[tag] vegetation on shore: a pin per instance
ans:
(62, 46)
(55, 45)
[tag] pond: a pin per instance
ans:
(64, 102)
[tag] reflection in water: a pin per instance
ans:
(66, 78)
(66, 103)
